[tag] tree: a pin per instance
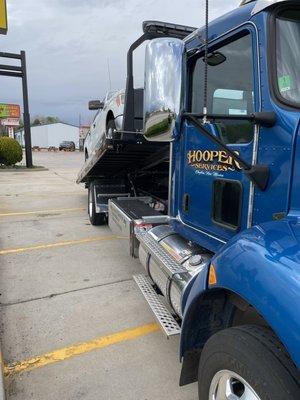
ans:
(36, 122)
(52, 120)
(42, 120)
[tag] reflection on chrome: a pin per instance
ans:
(163, 79)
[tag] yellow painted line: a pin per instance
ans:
(78, 349)
(12, 214)
(59, 244)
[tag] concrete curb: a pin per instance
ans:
(22, 169)
(2, 389)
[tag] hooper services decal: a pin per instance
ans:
(212, 161)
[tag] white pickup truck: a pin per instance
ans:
(107, 121)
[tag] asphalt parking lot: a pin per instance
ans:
(73, 323)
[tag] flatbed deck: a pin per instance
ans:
(119, 156)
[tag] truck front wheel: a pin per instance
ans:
(95, 218)
(247, 363)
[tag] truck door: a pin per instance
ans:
(216, 196)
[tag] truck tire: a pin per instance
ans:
(111, 126)
(96, 219)
(247, 362)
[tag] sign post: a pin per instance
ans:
(26, 115)
(11, 132)
(17, 72)
(20, 72)
(3, 17)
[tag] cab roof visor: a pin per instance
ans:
(261, 5)
(167, 29)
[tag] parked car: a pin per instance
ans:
(67, 146)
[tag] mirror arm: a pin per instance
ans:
(128, 115)
(266, 119)
(258, 174)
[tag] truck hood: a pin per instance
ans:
(281, 241)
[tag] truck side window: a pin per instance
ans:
(230, 89)
(227, 198)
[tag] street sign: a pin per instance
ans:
(10, 122)
(3, 17)
(10, 110)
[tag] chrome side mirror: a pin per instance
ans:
(162, 93)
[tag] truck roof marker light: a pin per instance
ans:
(212, 276)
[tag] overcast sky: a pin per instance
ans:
(69, 42)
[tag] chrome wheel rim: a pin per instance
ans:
(227, 385)
(90, 208)
(90, 203)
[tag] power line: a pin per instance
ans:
(109, 77)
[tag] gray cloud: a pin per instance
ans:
(68, 43)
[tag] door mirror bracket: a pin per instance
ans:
(258, 174)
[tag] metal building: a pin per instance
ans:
(51, 135)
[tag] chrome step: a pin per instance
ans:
(159, 253)
(165, 319)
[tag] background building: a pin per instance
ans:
(51, 135)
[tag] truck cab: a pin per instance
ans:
(226, 259)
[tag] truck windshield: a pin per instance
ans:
(288, 55)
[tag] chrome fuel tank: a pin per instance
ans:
(188, 258)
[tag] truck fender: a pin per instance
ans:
(260, 266)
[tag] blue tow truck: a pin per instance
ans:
(222, 259)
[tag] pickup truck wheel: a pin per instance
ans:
(95, 218)
(246, 363)
(111, 126)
